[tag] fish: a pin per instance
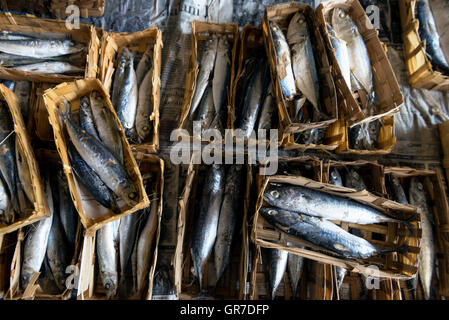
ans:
(23, 173)
(144, 65)
(122, 61)
(107, 260)
(205, 68)
(46, 280)
(354, 180)
(323, 233)
(4, 203)
(221, 76)
(126, 104)
(92, 182)
(22, 89)
(324, 205)
(359, 60)
(36, 240)
(145, 107)
(335, 177)
(277, 264)
(145, 246)
(429, 35)
(295, 265)
(206, 224)
(103, 162)
(11, 60)
(49, 67)
(206, 110)
(228, 218)
(395, 189)
(40, 48)
(249, 67)
(128, 234)
(283, 62)
(373, 134)
(418, 199)
(86, 117)
(267, 111)
(341, 54)
(67, 211)
(106, 126)
(341, 274)
(8, 167)
(58, 253)
(254, 100)
(7, 35)
(303, 61)
(313, 136)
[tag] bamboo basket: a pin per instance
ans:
(41, 209)
(185, 287)
(33, 291)
(112, 44)
(385, 84)
(420, 70)
(93, 216)
(393, 265)
(42, 128)
(281, 14)
(85, 34)
(444, 137)
(7, 246)
(87, 8)
(437, 200)
(203, 31)
(386, 140)
(90, 286)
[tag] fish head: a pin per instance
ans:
(297, 29)
(279, 217)
(335, 177)
(110, 285)
(129, 194)
(417, 193)
(343, 25)
(84, 101)
(354, 180)
(96, 95)
(281, 195)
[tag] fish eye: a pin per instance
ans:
(272, 212)
(301, 20)
(275, 194)
(334, 175)
(342, 15)
(107, 286)
(132, 195)
(146, 128)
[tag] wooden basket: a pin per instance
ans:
(420, 70)
(281, 14)
(7, 245)
(88, 208)
(90, 286)
(88, 8)
(185, 288)
(433, 183)
(386, 140)
(41, 209)
(385, 84)
(112, 44)
(393, 265)
(27, 23)
(202, 31)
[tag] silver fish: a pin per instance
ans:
(4, 203)
(335, 177)
(222, 75)
(429, 34)
(106, 125)
(360, 64)
(283, 62)
(145, 107)
(23, 90)
(295, 267)
(144, 65)
(7, 35)
(354, 180)
(277, 264)
(341, 274)
(105, 165)
(67, 211)
(205, 69)
(11, 60)
(122, 61)
(268, 110)
(304, 67)
(418, 199)
(323, 233)
(395, 189)
(40, 48)
(128, 234)
(23, 172)
(205, 229)
(107, 260)
(341, 54)
(228, 218)
(206, 110)
(324, 205)
(49, 67)
(145, 246)
(87, 121)
(36, 241)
